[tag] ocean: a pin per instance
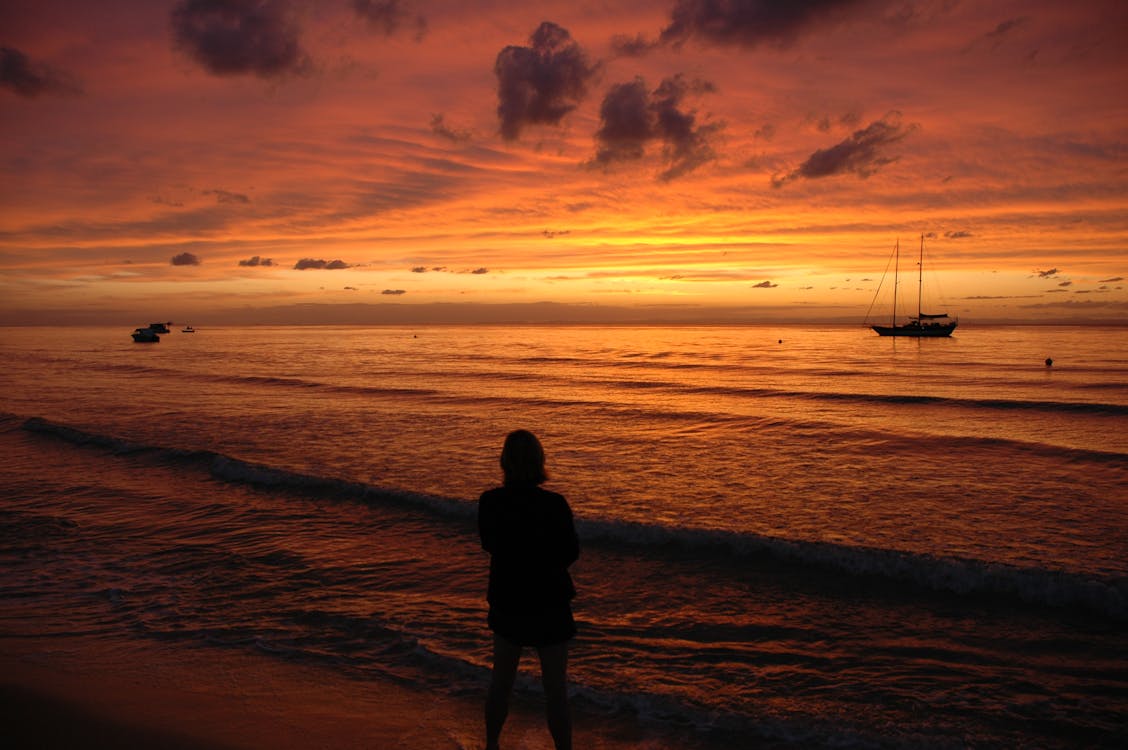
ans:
(792, 536)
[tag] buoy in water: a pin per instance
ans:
(1049, 362)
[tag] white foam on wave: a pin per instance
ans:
(1037, 586)
(949, 574)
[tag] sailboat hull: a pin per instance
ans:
(913, 330)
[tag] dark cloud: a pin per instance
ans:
(863, 153)
(444, 269)
(992, 39)
(226, 196)
(394, 291)
(996, 297)
(1112, 280)
(765, 285)
(1047, 274)
(1006, 27)
(826, 123)
(632, 46)
(958, 235)
(541, 83)
(626, 123)
(1065, 283)
(685, 146)
(328, 265)
(390, 16)
(185, 259)
(748, 23)
(234, 37)
(631, 117)
(161, 200)
(439, 127)
(30, 79)
(552, 233)
(254, 260)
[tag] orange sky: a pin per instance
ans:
(220, 161)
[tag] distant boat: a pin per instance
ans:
(159, 327)
(187, 329)
(923, 325)
(145, 336)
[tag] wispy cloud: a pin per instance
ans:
(30, 79)
(862, 154)
(226, 196)
(391, 16)
(440, 127)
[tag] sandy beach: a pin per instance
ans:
(79, 692)
(84, 692)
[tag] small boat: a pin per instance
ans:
(145, 336)
(159, 327)
(923, 325)
(187, 329)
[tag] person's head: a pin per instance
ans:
(522, 459)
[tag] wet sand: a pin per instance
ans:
(86, 692)
(79, 692)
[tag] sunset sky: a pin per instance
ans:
(213, 161)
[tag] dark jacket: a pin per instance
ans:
(531, 538)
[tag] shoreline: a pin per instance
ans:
(82, 691)
(98, 692)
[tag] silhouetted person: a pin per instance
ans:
(532, 540)
(1049, 362)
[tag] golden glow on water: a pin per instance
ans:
(828, 434)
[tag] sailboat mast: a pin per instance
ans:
(896, 270)
(920, 277)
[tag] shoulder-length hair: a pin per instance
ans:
(522, 459)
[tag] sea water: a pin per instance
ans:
(803, 536)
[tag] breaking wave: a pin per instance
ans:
(960, 576)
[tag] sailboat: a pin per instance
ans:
(924, 325)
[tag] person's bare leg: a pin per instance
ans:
(554, 674)
(506, 657)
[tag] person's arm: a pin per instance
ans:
(487, 523)
(569, 541)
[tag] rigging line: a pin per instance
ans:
(934, 284)
(873, 302)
